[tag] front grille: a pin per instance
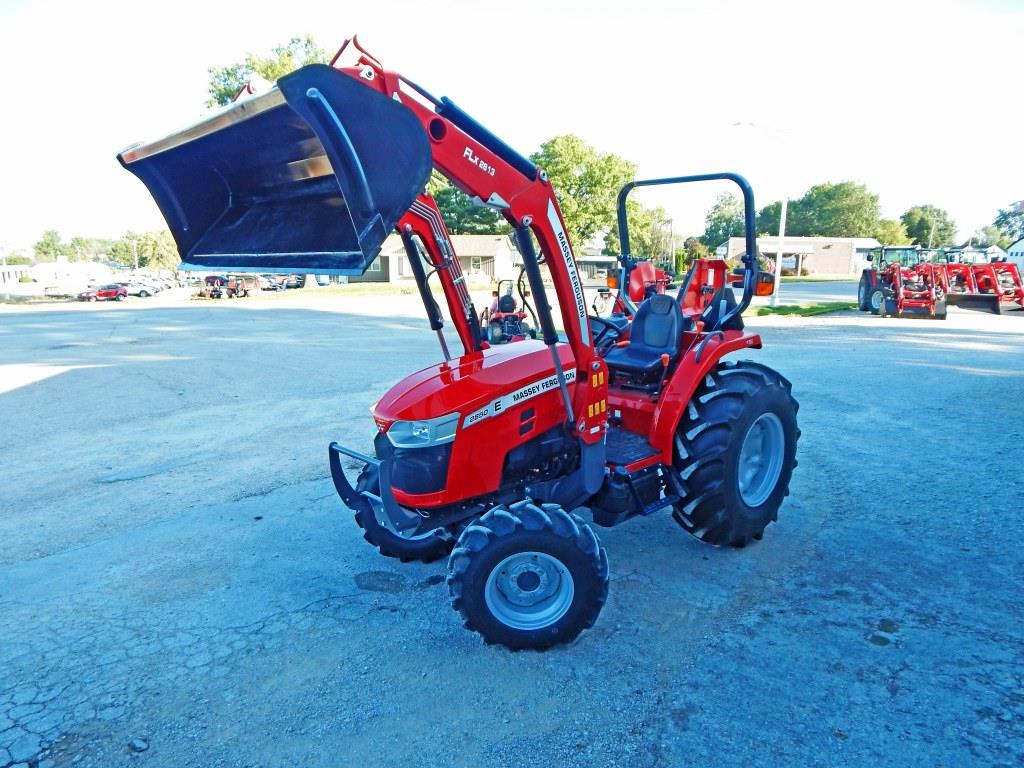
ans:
(421, 470)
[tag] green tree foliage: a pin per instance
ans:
(17, 258)
(461, 215)
(843, 209)
(723, 220)
(649, 234)
(586, 182)
(225, 82)
(891, 232)
(50, 246)
(991, 235)
(155, 250)
(929, 226)
(1011, 222)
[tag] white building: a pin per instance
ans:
(482, 258)
(1015, 253)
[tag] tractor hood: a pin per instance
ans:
(310, 176)
(477, 385)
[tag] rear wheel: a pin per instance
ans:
(426, 547)
(528, 576)
(864, 294)
(120, 297)
(495, 333)
(940, 309)
(736, 451)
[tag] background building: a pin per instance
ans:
(809, 255)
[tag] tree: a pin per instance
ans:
(991, 235)
(154, 250)
(843, 209)
(586, 182)
(723, 220)
(929, 226)
(225, 82)
(461, 215)
(891, 232)
(1011, 222)
(648, 236)
(16, 258)
(50, 246)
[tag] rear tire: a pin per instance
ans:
(426, 548)
(864, 294)
(528, 576)
(495, 333)
(735, 452)
(940, 309)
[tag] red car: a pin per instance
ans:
(104, 293)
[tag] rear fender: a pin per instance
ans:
(698, 362)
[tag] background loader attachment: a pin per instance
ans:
(308, 177)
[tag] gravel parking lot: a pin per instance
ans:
(180, 586)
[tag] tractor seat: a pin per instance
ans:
(506, 304)
(655, 331)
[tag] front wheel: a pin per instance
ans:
(735, 452)
(425, 547)
(877, 302)
(528, 576)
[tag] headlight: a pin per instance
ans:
(419, 434)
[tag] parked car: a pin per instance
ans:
(271, 283)
(141, 290)
(295, 281)
(242, 285)
(113, 292)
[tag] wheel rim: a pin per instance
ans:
(876, 300)
(529, 590)
(761, 458)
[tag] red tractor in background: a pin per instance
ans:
(505, 319)
(901, 283)
(491, 455)
(986, 286)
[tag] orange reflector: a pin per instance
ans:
(765, 284)
(612, 281)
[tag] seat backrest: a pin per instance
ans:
(506, 304)
(657, 325)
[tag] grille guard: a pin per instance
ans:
(360, 501)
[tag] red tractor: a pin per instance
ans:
(986, 287)
(901, 283)
(505, 319)
(491, 455)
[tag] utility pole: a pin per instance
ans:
(778, 261)
(931, 233)
(135, 256)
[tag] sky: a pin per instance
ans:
(920, 101)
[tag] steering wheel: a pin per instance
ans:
(606, 334)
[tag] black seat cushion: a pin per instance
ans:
(655, 332)
(506, 304)
(723, 302)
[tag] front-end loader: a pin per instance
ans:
(494, 455)
(899, 282)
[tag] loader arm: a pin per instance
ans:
(493, 174)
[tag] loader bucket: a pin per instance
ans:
(309, 177)
(980, 302)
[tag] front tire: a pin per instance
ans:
(876, 302)
(426, 547)
(528, 576)
(735, 452)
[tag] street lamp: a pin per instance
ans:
(778, 253)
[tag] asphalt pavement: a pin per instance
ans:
(180, 586)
